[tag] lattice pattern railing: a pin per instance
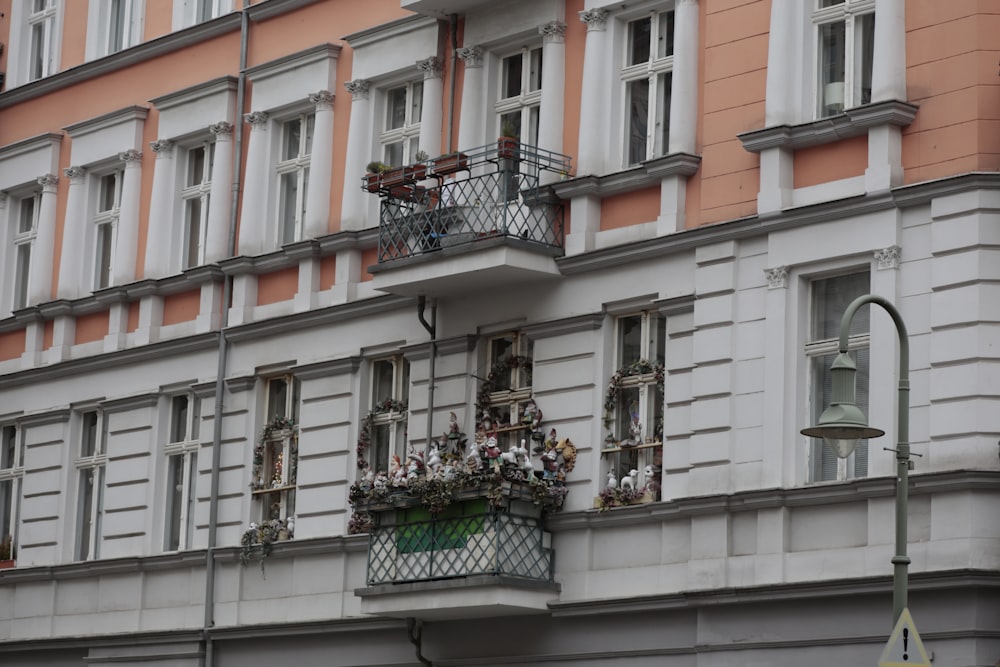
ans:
(491, 196)
(491, 542)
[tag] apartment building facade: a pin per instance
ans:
(620, 236)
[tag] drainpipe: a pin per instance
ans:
(432, 330)
(453, 25)
(208, 659)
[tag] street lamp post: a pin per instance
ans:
(843, 424)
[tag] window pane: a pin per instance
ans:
(289, 204)
(664, 83)
(8, 448)
(395, 103)
(175, 499)
(830, 3)
(178, 419)
(6, 509)
(825, 460)
(191, 496)
(105, 234)
(510, 124)
(85, 513)
(660, 339)
(832, 40)
(88, 440)
(626, 411)
(192, 256)
(196, 166)
(864, 54)
(831, 296)
(26, 221)
(277, 398)
(116, 25)
(511, 81)
(382, 372)
(629, 340)
(638, 115)
(665, 37)
(380, 447)
(404, 385)
(307, 140)
(38, 5)
(638, 41)
(107, 196)
(417, 103)
(394, 154)
(36, 67)
(535, 73)
(23, 266)
(293, 134)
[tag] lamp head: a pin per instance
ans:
(842, 424)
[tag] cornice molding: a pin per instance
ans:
(130, 403)
(645, 175)
(111, 119)
(562, 327)
(49, 141)
(388, 31)
(851, 123)
(60, 416)
(236, 385)
(175, 41)
(223, 84)
(293, 61)
(324, 369)
(678, 305)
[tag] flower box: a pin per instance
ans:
(508, 147)
(7, 563)
(373, 182)
(404, 175)
(449, 164)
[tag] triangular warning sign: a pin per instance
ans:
(904, 648)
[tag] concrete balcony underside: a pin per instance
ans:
(467, 268)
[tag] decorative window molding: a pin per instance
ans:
(181, 451)
(504, 404)
(887, 258)
(382, 442)
(90, 464)
(107, 197)
(829, 298)
(24, 228)
(35, 40)
(196, 196)
(519, 94)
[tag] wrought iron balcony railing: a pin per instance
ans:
(469, 538)
(497, 191)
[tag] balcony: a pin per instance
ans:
(463, 221)
(485, 553)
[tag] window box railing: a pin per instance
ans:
(496, 191)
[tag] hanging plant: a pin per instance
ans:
(500, 369)
(640, 367)
(263, 535)
(276, 425)
(368, 427)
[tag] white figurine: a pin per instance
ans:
(628, 481)
(612, 481)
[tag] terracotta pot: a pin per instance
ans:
(7, 564)
(449, 164)
(508, 147)
(373, 182)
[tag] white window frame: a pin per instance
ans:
(275, 496)
(181, 448)
(297, 167)
(198, 193)
(657, 71)
(191, 12)
(637, 456)
(527, 104)
(23, 240)
(90, 464)
(26, 49)
(105, 226)
(392, 423)
(815, 349)
(407, 135)
(512, 393)
(12, 448)
(853, 14)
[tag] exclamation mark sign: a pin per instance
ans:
(906, 640)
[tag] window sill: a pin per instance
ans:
(620, 448)
(646, 174)
(852, 123)
(272, 489)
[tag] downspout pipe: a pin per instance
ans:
(431, 328)
(208, 658)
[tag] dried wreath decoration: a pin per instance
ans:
(264, 535)
(271, 429)
(368, 427)
(640, 367)
(500, 369)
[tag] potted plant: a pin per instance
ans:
(508, 142)
(7, 553)
(373, 179)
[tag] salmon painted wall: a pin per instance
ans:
(91, 327)
(952, 52)
(277, 286)
(631, 208)
(327, 272)
(12, 344)
(181, 307)
(831, 162)
(731, 100)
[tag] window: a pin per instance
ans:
(195, 194)
(90, 462)
(293, 176)
(830, 297)
(206, 10)
(24, 234)
(41, 39)
(634, 400)
(845, 39)
(647, 80)
(109, 197)
(182, 472)
(520, 97)
(276, 456)
(11, 473)
(506, 388)
(390, 391)
(121, 21)
(399, 139)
